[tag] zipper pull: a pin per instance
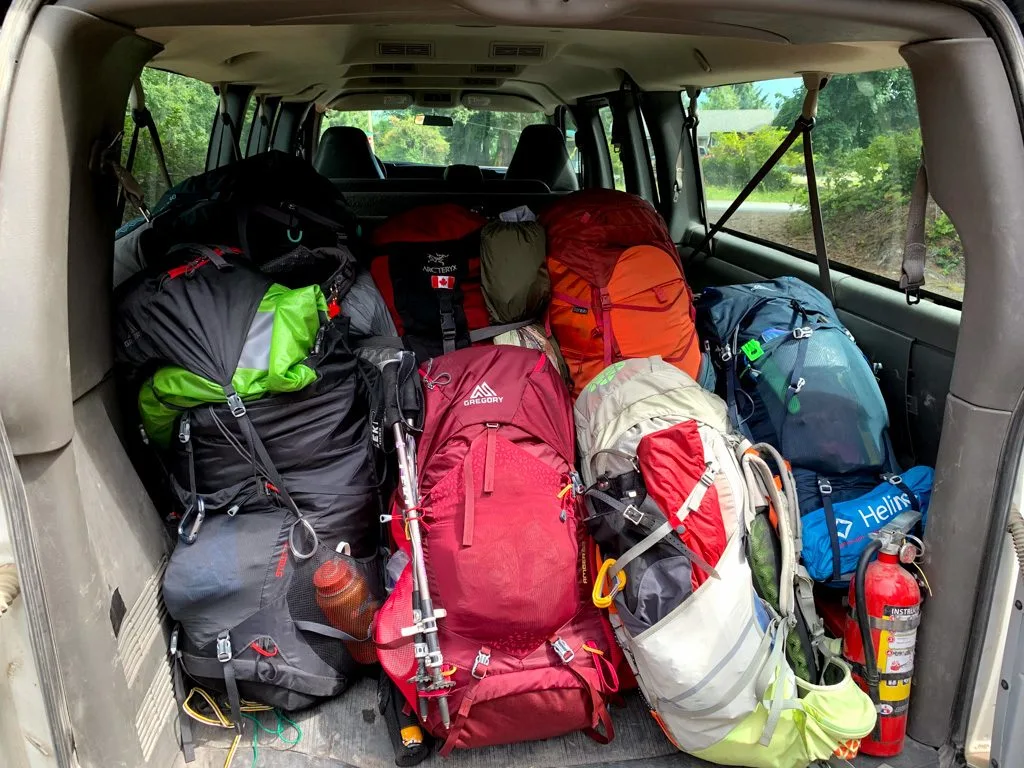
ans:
(184, 428)
(492, 433)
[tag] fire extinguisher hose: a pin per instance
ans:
(864, 624)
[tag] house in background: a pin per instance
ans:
(714, 121)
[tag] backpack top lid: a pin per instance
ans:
(496, 385)
(634, 398)
(588, 230)
(195, 316)
(728, 306)
(428, 224)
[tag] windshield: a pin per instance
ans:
(475, 137)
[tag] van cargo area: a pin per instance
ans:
(496, 106)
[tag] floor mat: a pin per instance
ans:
(347, 732)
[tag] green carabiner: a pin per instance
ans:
(294, 239)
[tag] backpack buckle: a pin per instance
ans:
(895, 479)
(707, 479)
(236, 405)
(725, 354)
(224, 647)
(802, 333)
(824, 487)
(565, 653)
(633, 514)
(483, 659)
(172, 649)
(798, 386)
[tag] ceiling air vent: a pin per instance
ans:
(480, 81)
(393, 68)
(440, 99)
(386, 81)
(405, 49)
(494, 69)
(517, 50)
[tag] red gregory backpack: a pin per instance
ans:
(428, 271)
(506, 556)
(617, 288)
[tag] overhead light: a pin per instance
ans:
(476, 100)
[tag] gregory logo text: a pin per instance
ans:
(482, 394)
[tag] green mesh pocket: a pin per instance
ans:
(765, 557)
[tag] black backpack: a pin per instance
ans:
(266, 205)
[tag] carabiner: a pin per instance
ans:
(605, 601)
(295, 238)
(312, 534)
(199, 510)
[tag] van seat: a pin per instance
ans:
(344, 152)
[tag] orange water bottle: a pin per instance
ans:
(345, 598)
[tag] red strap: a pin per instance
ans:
(470, 505)
(460, 719)
(492, 431)
(599, 715)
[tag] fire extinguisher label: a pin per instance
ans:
(896, 659)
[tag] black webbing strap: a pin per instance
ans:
(326, 630)
(491, 331)
(259, 451)
(188, 748)
(226, 658)
(449, 329)
(825, 489)
(897, 480)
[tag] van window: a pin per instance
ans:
(476, 137)
(617, 173)
(569, 130)
(247, 123)
(183, 110)
(867, 148)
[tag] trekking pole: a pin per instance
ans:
(401, 388)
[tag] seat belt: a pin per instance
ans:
(915, 250)
(813, 83)
(229, 125)
(690, 124)
(141, 118)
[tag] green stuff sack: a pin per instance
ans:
(513, 270)
(816, 719)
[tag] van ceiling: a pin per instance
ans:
(550, 51)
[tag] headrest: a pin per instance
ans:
(464, 176)
(344, 153)
(541, 154)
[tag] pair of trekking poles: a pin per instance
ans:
(403, 416)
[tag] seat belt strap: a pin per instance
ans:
(914, 250)
(814, 82)
(690, 129)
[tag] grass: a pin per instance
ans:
(758, 195)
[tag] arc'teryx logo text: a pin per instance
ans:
(482, 394)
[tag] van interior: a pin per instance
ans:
(495, 104)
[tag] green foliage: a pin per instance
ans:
(882, 173)
(476, 138)
(736, 157)
(740, 96)
(183, 110)
(854, 109)
(944, 244)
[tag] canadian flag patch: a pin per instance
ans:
(443, 281)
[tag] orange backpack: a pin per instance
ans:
(617, 287)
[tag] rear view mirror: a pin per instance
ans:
(441, 121)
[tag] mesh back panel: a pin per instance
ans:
(837, 419)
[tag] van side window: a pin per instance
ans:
(183, 110)
(867, 149)
(617, 173)
(569, 129)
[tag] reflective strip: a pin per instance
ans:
(256, 351)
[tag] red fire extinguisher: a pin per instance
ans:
(886, 622)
